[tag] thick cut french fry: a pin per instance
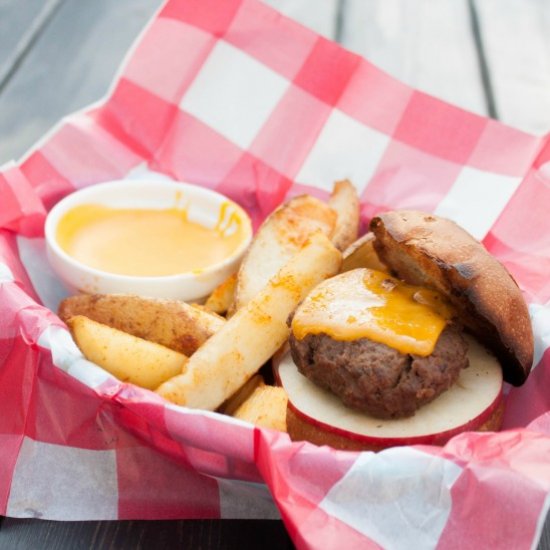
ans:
(241, 395)
(266, 407)
(127, 357)
(362, 254)
(254, 333)
(171, 323)
(281, 235)
(222, 297)
(345, 202)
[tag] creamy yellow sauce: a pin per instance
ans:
(365, 303)
(147, 242)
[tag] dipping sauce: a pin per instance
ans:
(147, 242)
(364, 303)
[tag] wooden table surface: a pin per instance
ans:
(489, 56)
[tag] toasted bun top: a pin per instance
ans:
(425, 249)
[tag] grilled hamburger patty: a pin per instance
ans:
(377, 379)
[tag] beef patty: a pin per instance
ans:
(377, 379)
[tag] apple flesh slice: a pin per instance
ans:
(474, 403)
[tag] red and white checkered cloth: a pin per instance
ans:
(233, 96)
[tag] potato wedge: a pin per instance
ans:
(281, 235)
(222, 297)
(231, 404)
(362, 254)
(345, 202)
(127, 357)
(235, 353)
(266, 407)
(171, 323)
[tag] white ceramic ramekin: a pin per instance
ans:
(203, 207)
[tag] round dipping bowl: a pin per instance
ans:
(203, 206)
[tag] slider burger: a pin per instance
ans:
(414, 355)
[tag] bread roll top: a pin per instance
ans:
(424, 249)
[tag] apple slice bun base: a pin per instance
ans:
(474, 403)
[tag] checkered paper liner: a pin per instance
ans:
(235, 97)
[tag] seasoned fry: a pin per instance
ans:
(345, 202)
(362, 254)
(266, 407)
(127, 357)
(171, 323)
(278, 239)
(241, 395)
(254, 333)
(222, 297)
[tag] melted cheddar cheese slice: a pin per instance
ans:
(365, 303)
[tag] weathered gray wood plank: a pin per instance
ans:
(425, 43)
(516, 39)
(544, 542)
(20, 21)
(70, 66)
(23, 534)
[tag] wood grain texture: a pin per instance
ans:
(544, 541)
(20, 23)
(70, 65)
(26, 534)
(516, 39)
(30, 534)
(425, 43)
